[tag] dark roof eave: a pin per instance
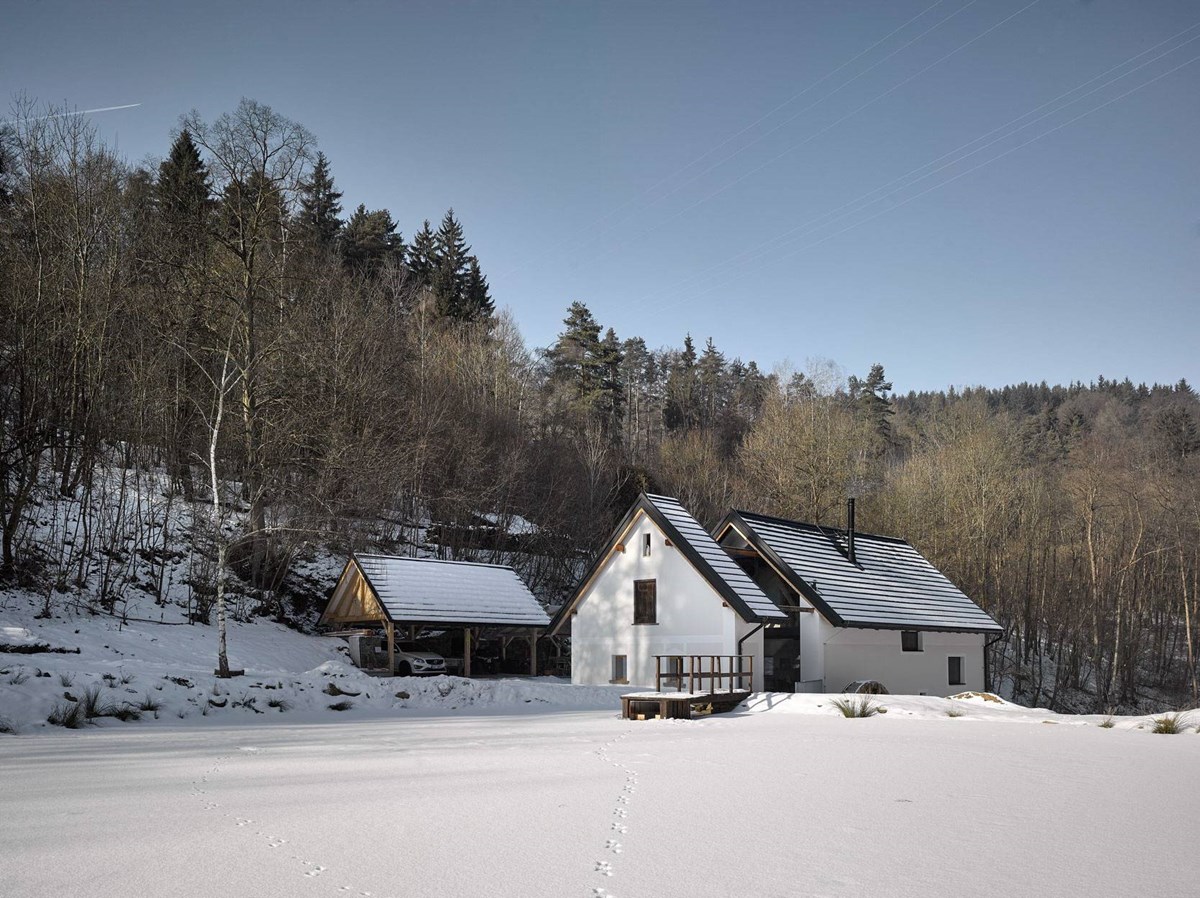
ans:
(872, 625)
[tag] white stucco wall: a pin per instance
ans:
(852, 654)
(692, 617)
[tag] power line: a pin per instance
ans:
(639, 197)
(822, 131)
(961, 174)
(864, 201)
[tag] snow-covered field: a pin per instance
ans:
(448, 787)
(782, 799)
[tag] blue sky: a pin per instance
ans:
(645, 158)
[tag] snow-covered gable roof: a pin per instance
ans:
(890, 585)
(701, 550)
(428, 590)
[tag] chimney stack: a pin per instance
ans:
(850, 530)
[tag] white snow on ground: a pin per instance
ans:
(517, 787)
(516, 801)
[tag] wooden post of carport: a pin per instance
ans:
(390, 628)
(533, 655)
(466, 652)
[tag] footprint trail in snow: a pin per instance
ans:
(620, 812)
(309, 869)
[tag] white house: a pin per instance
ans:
(661, 586)
(840, 606)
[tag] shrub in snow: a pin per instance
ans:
(1170, 723)
(6, 725)
(93, 706)
(860, 707)
(334, 689)
(341, 706)
(69, 715)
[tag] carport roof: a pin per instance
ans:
(429, 590)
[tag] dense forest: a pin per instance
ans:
(308, 375)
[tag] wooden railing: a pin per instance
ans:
(702, 669)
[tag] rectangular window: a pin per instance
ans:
(645, 545)
(620, 671)
(910, 640)
(956, 670)
(645, 601)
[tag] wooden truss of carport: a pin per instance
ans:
(391, 592)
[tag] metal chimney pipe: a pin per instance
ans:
(850, 530)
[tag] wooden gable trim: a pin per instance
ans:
(644, 507)
(616, 543)
(354, 593)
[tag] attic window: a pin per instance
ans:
(645, 601)
(645, 545)
(910, 641)
(955, 670)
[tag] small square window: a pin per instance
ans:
(645, 545)
(955, 669)
(645, 601)
(910, 640)
(620, 669)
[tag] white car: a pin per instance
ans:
(414, 662)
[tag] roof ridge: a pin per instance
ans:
(502, 567)
(821, 528)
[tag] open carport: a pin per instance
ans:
(389, 591)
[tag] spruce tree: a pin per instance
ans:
(422, 255)
(680, 411)
(183, 195)
(319, 206)
(450, 263)
(477, 300)
(370, 240)
(611, 399)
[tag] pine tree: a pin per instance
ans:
(575, 359)
(183, 194)
(319, 206)
(370, 240)
(873, 405)
(451, 255)
(477, 300)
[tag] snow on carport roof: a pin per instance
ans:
(428, 590)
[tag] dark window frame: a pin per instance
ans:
(645, 545)
(620, 669)
(645, 602)
(961, 679)
(910, 641)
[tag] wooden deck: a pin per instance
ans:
(715, 683)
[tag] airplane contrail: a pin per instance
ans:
(40, 118)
